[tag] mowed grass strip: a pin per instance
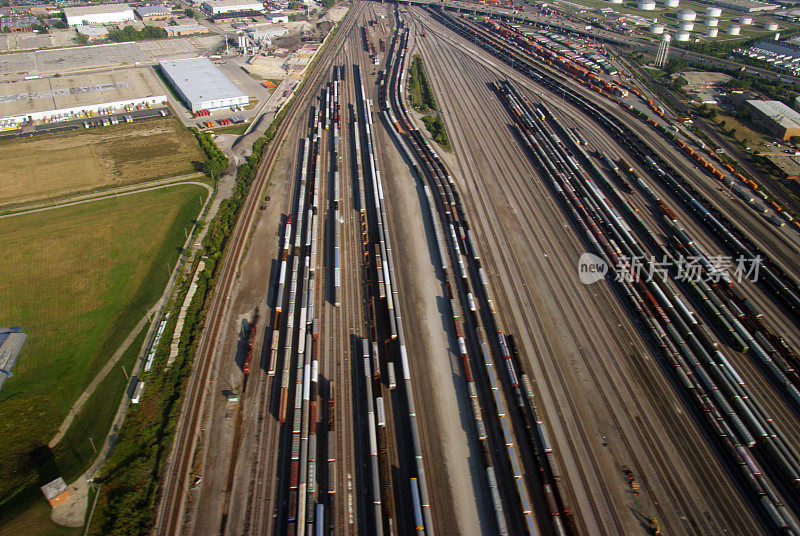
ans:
(53, 165)
(78, 279)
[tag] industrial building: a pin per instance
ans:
(93, 33)
(277, 18)
(747, 6)
(148, 13)
(98, 14)
(788, 166)
(71, 97)
(11, 342)
(215, 7)
(775, 117)
(190, 28)
(202, 85)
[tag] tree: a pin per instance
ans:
(82, 39)
(189, 12)
(679, 83)
(794, 140)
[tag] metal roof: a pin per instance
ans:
(778, 112)
(96, 9)
(11, 342)
(200, 80)
(144, 11)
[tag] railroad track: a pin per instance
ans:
(473, 76)
(169, 517)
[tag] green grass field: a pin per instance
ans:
(54, 165)
(80, 279)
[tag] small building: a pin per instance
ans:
(202, 85)
(148, 13)
(98, 14)
(18, 23)
(190, 28)
(277, 18)
(93, 33)
(775, 118)
(215, 7)
(55, 491)
(11, 342)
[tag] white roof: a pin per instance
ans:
(233, 3)
(92, 10)
(184, 27)
(778, 112)
(200, 80)
(92, 30)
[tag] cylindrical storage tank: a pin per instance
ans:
(686, 25)
(672, 3)
(771, 26)
(713, 11)
(712, 32)
(657, 29)
(746, 20)
(648, 5)
(682, 35)
(712, 22)
(734, 29)
(687, 14)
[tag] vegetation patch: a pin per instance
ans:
(82, 277)
(129, 33)
(130, 478)
(53, 165)
(435, 126)
(419, 89)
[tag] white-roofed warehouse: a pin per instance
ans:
(202, 85)
(98, 14)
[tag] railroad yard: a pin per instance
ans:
(500, 338)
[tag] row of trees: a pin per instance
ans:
(217, 161)
(129, 33)
(419, 88)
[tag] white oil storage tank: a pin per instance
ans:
(686, 25)
(771, 26)
(687, 15)
(648, 5)
(657, 29)
(746, 21)
(713, 12)
(682, 35)
(712, 32)
(734, 29)
(671, 3)
(712, 22)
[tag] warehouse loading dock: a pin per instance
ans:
(202, 85)
(72, 97)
